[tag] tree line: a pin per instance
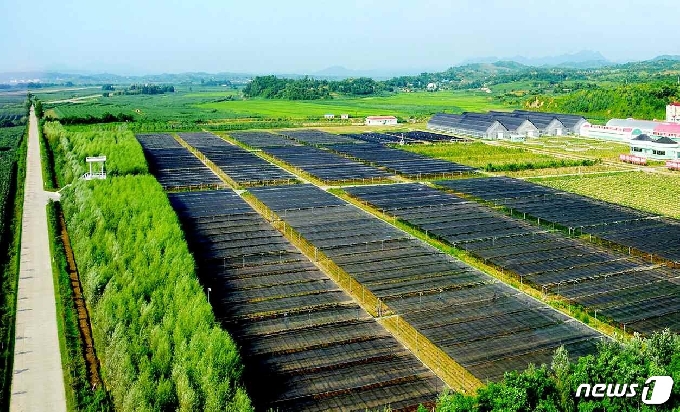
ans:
(272, 87)
(553, 388)
(148, 89)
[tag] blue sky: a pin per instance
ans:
(143, 37)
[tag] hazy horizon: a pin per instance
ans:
(126, 37)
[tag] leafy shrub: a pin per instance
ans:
(553, 387)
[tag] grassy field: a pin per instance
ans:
(191, 107)
(653, 193)
(404, 105)
(163, 107)
(577, 146)
(490, 157)
(600, 168)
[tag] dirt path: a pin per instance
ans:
(75, 99)
(37, 381)
(83, 316)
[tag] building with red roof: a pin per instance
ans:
(381, 121)
(669, 129)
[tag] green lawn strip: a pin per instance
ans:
(494, 158)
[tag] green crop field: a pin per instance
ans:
(492, 158)
(210, 103)
(9, 140)
(655, 193)
(196, 105)
(172, 107)
(404, 105)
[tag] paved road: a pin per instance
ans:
(38, 382)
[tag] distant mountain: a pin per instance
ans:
(101, 78)
(667, 57)
(337, 71)
(584, 59)
(340, 72)
(465, 72)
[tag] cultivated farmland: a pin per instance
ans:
(341, 310)
(494, 158)
(479, 322)
(174, 167)
(242, 166)
(635, 230)
(627, 189)
(627, 290)
(317, 348)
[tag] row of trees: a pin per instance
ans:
(149, 89)
(553, 388)
(10, 139)
(123, 153)
(104, 118)
(159, 344)
(12, 176)
(272, 87)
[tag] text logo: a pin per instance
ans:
(660, 393)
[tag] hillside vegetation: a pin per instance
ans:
(642, 101)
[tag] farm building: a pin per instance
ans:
(517, 124)
(329, 116)
(615, 133)
(638, 126)
(670, 130)
(673, 112)
(482, 127)
(344, 116)
(572, 122)
(546, 123)
(381, 120)
(661, 148)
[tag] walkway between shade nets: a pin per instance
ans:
(37, 381)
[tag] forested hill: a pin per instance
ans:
(474, 76)
(638, 100)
